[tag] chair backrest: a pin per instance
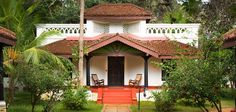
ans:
(138, 77)
(94, 77)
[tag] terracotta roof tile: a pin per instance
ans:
(231, 34)
(119, 11)
(230, 39)
(7, 33)
(7, 37)
(163, 48)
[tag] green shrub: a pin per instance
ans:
(75, 99)
(227, 93)
(163, 101)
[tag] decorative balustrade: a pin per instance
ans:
(65, 29)
(153, 30)
(176, 30)
(185, 33)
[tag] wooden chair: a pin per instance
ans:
(136, 81)
(96, 81)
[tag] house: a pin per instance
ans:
(7, 38)
(121, 43)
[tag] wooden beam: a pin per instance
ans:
(88, 70)
(1, 74)
(146, 70)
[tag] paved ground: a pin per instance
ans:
(116, 108)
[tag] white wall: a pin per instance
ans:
(98, 65)
(133, 65)
(116, 28)
(133, 27)
(154, 73)
(98, 28)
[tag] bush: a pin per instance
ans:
(42, 78)
(163, 101)
(75, 99)
(227, 93)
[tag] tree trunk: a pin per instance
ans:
(11, 89)
(218, 109)
(235, 95)
(220, 105)
(81, 53)
(34, 99)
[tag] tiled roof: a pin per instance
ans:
(7, 37)
(117, 11)
(156, 48)
(230, 34)
(7, 33)
(230, 39)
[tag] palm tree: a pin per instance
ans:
(81, 53)
(20, 17)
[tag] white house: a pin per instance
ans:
(121, 43)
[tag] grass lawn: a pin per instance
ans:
(150, 107)
(22, 104)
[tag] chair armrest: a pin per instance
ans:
(131, 80)
(101, 81)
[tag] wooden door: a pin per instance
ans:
(115, 71)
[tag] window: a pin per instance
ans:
(167, 68)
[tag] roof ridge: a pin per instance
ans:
(112, 4)
(109, 10)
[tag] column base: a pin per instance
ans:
(3, 106)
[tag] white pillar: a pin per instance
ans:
(90, 28)
(142, 27)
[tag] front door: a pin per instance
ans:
(115, 71)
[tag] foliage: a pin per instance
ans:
(217, 16)
(164, 101)
(176, 15)
(75, 99)
(214, 16)
(59, 11)
(228, 93)
(20, 17)
(200, 80)
(22, 104)
(192, 7)
(42, 78)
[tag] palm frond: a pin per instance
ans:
(32, 8)
(42, 37)
(37, 56)
(31, 56)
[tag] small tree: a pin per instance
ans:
(42, 78)
(201, 80)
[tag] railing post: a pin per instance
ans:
(39, 30)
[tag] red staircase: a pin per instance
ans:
(117, 95)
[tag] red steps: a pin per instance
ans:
(117, 95)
